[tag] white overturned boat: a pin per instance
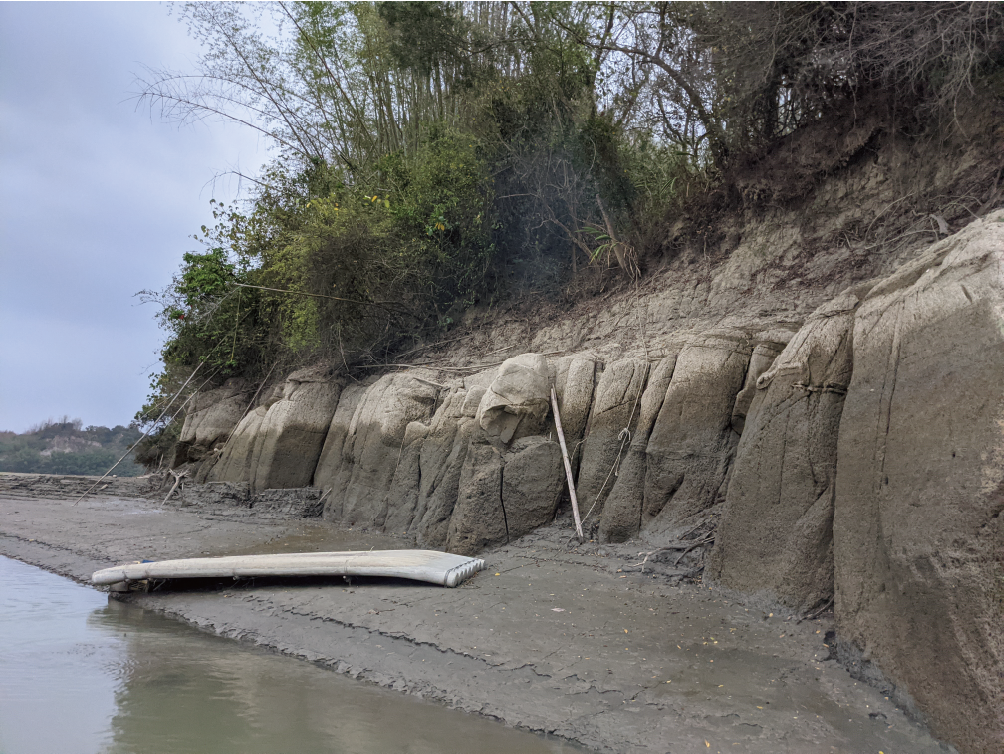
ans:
(420, 565)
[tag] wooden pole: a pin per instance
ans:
(568, 465)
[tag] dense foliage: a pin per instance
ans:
(65, 447)
(431, 157)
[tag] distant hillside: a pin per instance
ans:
(64, 447)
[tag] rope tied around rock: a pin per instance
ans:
(625, 437)
(827, 388)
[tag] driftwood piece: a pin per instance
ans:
(177, 480)
(686, 545)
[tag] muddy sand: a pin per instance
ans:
(555, 638)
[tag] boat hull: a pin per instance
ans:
(430, 566)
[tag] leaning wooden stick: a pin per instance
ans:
(568, 465)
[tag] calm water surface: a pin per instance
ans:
(82, 673)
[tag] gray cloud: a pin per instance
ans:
(98, 200)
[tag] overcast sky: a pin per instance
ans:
(98, 200)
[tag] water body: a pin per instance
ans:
(80, 673)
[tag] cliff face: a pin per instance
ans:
(918, 540)
(806, 427)
(870, 471)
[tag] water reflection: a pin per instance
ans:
(57, 679)
(82, 674)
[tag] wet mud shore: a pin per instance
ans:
(551, 637)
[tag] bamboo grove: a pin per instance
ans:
(432, 157)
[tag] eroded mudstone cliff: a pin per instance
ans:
(872, 470)
(918, 538)
(854, 453)
(776, 536)
(211, 418)
(277, 444)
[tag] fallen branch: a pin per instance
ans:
(436, 344)
(430, 382)
(253, 399)
(177, 480)
(696, 544)
(445, 368)
(816, 613)
(431, 366)
(685, 545)
(500, 350)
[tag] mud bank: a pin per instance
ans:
(552, 637)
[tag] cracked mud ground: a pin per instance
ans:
(547, 638)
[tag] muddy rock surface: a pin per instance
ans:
(776, 537)
(210, 418)
(918, 540)
(553, 636)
